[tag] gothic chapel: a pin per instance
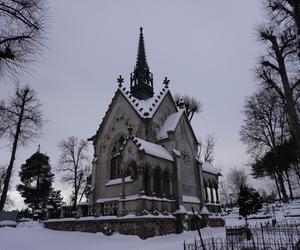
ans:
(145, 154)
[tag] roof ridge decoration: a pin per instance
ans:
(145, 108)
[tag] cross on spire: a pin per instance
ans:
(166, 82)
(120, 80)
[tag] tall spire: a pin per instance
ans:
(141, 61)
(141, 79)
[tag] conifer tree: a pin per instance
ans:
(36, 178)
(249, 201)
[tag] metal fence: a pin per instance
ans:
(254, 244)
(264, 237)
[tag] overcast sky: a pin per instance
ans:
(206, 48)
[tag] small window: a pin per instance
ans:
(115, 170)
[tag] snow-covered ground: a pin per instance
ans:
(32, 236)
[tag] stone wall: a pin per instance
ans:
(141, 226)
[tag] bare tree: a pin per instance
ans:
(74, 165)
(286, 13)
(278, 68)
(209, 148)
(21, 120)
(237, 178)
(22, 32)
(266, 128)
(191, 104)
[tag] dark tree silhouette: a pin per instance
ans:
(237, 178)
(36, 181)
(22, 33)
(209, 148)
(74, 165)
(278, 68)
(21, 120)
(191, 104)
(249, 201)
(265, 128)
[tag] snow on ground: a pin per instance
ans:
(32, 236)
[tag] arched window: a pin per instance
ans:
(157, 181)
(166, 183)
(147, 185)
(115, 170)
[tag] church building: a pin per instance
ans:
(146, 154)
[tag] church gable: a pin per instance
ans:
(118, 117)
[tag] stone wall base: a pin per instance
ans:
(143, 227)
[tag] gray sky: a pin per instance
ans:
(206, 48)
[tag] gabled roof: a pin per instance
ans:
(149, 148)
(170, 124)
(144, 108)
(209, 168)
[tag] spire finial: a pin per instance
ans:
(120, 80)
(166, 82)
(141, 79)
(130, 129)
(39, 148)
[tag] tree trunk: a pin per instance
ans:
(277, 186)
(297, 172)
(282, 187)
(296, 11)
(13, 156)
(289, 101)
(289, 184)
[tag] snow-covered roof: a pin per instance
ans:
(170, 124)
(204, 211)
(145, 108)
(118, 181)
(152, 149)
(190, 199)
(209, 168)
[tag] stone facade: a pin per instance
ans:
(145, 154)
(143, 227)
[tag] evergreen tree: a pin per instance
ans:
(36, 178)
(249, 201)
(55, 199)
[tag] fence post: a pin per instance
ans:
(262, 233)
(184, 246)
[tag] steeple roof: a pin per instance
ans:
(141, 62)
(141, 79)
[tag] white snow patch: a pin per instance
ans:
(170, 124)
(145, 108)
(190, 199)
(37, 238)
(209, 168)
(118, 181)
(152, 149)
(5, 223)
(134, 197)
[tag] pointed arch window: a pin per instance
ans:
(115, 169)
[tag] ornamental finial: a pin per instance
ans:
(130, 129)
(166, 82)
(120, 80)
